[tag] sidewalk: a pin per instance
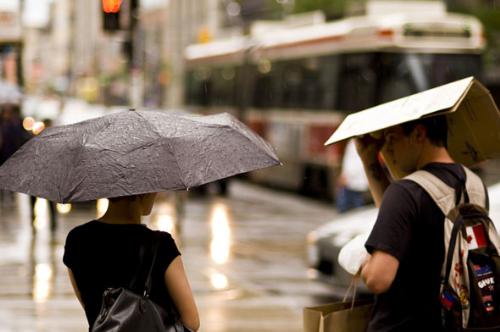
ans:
(244, 256)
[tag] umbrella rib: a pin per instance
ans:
(149, 123)
(172, 149)
(76, 187)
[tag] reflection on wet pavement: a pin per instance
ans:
(244, 255)
(220, 233)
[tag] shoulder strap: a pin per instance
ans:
(137, 274)
(143, 250)
(442, 194)
(476, 190)
(149, 278)
(450, 251)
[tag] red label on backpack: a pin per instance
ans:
(476, 236)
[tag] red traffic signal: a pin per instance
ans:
(111, 6)
(111, 15)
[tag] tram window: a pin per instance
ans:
(402, 74)
(310, 90)
(263, 96)
(277, 85)
(357, 82)
(399, 76)
(205, 93)
(265, 84)
(192, 89)
(329, 80)
(445, 68)
(189, 92)
(297, 84)
(223, 86)
(292, 78)
(199, 87)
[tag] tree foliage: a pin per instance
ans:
(331, 8)
(489, 14)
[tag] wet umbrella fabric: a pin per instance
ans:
(133, 152)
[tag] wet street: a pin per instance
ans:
(245, 256)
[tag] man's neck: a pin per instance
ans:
(434, 154)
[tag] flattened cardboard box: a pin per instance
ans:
(473, 119)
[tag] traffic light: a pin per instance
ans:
(111, 14)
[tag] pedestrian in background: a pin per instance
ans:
(406, 244)
(352, 184)
(13, 134)
(12, 137)
(103, 254)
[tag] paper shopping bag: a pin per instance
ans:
(338, 317)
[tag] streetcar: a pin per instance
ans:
(294, 86)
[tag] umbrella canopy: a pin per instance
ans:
(133, 152)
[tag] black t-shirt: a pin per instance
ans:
(104, 255)
(410, 227)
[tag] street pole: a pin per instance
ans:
(135, 72)
(246, 73)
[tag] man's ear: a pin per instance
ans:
(419, 133)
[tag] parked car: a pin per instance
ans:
(325, 242)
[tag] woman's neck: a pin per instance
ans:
(122, 212)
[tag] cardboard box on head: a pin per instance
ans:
(473, 119)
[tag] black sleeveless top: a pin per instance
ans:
(104, 255)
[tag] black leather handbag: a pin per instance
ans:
(123, 310)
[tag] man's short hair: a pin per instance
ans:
(436, 127)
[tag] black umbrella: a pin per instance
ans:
(133, 152)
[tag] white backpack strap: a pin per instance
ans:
(442, 194)
(475, 188)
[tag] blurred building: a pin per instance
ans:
(10, 41)
(167, 27)
(65, 48)
(47, 41)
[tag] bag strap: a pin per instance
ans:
(457, 226)
(353, 286)
(146, 287)
(149, 279)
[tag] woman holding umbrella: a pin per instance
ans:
(103, 253)
(128, 157)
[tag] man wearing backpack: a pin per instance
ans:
(406, 244)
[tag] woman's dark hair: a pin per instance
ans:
(436, 127)
(128, 198)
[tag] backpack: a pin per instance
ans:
(470, 285)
